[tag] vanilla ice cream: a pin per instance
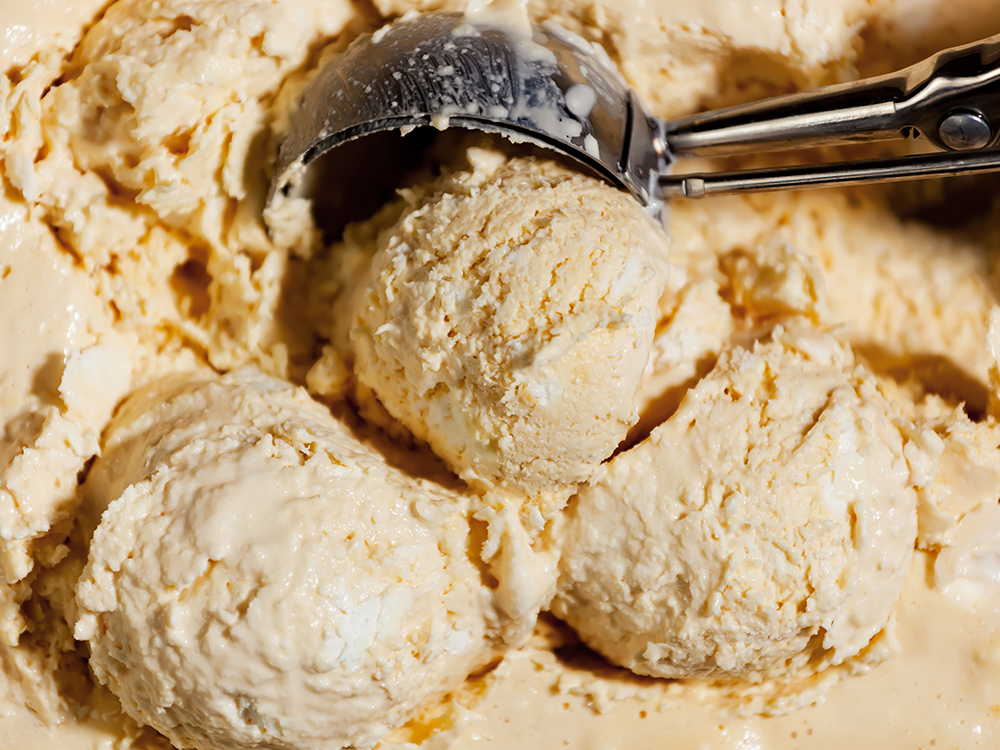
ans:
(197, 552)
(772, 516)
(506, 317)
(62, 374)
(263, 578)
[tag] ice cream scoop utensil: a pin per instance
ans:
(547, 86)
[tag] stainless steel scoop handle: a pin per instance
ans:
(951, 99)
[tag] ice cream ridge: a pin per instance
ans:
(506, 463)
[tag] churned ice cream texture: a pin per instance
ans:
(263, 578)
(63, 369)
(506, 316)
(770, 519)
(132, 246)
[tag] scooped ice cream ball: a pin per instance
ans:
(262, 578)
(770, 518)
(507, 316)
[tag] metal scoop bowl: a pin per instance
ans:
(545, 85)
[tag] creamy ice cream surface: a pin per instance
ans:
(262, 578)
(506, 316)
(765, 528)
(741, 494)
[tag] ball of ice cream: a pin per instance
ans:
(264, 579)
(771, 518)
(507, 316)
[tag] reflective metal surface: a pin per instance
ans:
(965, 131)
(548, 87)
(914, 102)
(544, 86)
